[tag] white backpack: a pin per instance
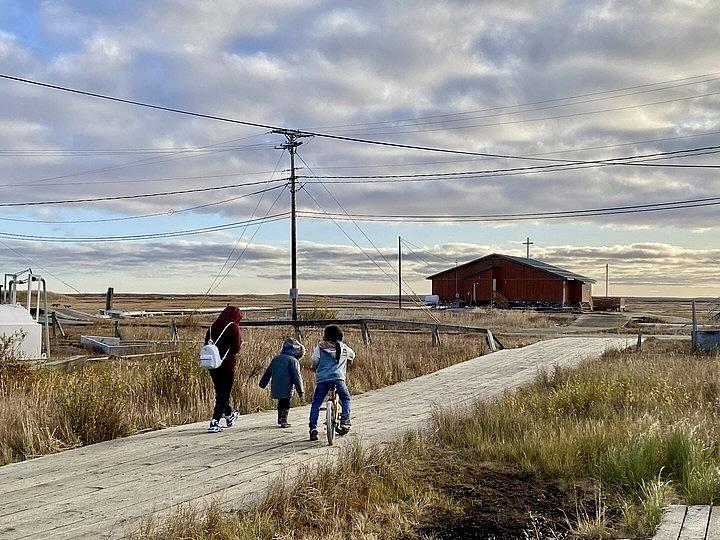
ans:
(209, 354)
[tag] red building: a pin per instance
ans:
(507, 281)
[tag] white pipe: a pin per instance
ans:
(37, 308)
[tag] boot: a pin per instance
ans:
(283, 415)
(280, 416)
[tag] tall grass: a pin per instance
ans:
(47, 411)
(641, 428)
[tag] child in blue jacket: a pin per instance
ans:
(284, 370)
(329, 361)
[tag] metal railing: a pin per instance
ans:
(34, 283)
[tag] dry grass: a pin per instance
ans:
(641, 427)
(497, 320)
(48, 411)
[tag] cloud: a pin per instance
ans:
(346, 267)
(360, 70)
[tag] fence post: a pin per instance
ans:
(174, 331)
(435, 333)
(117, 330)
(56, 326)
(639, 341)
(694, 327)
(490, 339)
(365, 332)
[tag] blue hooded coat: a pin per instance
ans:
(284, 371)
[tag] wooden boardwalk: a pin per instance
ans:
(104, 490)
(690, 523)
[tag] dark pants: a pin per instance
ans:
(222, 379)
(283, 403)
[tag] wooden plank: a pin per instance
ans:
(672, 522)
(696, 522)
(713, 530)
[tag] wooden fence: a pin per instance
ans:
(392, 324)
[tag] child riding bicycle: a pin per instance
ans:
(329, 361)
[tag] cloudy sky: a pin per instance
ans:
(549, 84)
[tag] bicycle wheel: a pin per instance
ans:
(330, 421)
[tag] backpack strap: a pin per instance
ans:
(221, 334)
(223, 331)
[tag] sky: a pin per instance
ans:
(539, 84)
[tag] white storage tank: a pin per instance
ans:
(17, 324)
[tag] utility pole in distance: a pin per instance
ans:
(400, 271)
(291, 145)
(607, 279)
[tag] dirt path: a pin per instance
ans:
(104, 490)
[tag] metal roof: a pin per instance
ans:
(540, 265)
(545, 267)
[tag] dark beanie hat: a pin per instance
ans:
(332, 333)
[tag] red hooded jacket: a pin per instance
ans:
(231, 340)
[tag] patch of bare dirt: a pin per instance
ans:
(499, 502)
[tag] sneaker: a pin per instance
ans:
(313, 434)
(214, 426)
(230, 418)
(344, 427)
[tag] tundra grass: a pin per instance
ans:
(639, 430)
(46, 411)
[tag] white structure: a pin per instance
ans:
(19, 329)
(432, 300)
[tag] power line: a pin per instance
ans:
(418, 255)
(408, 243)
(141, 162)
(542, 118)
(577, 96)
(565, 151)
(45, 270)
(168, 234)
(626, 160)
(69, 152)
(400, 279)
(279, 128)
(565, 214)
(242, 234)
(133, 102)
(142, 180)
(137, 196)
(260, 224)
(334, 220)
(166, 213)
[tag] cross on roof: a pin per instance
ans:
(527, 243)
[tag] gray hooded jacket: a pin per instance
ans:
(284, 371)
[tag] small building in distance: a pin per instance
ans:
(508, 281)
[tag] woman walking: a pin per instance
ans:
(225, 333)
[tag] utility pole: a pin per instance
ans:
(527, 243)
(456, 280)
(607, 279)
(291, 145)
(400, 272)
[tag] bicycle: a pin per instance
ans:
(332, 416)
